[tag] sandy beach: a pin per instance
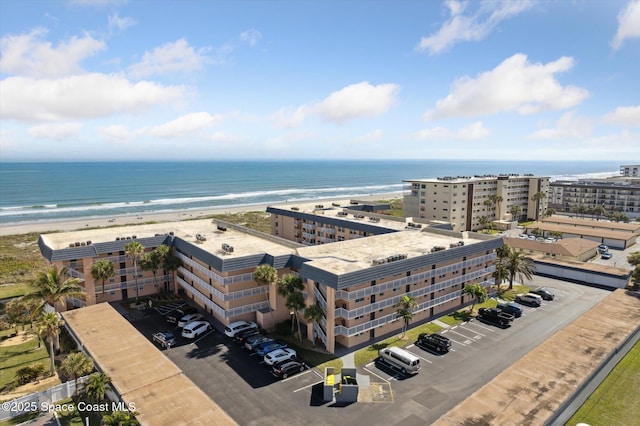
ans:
(91, 222)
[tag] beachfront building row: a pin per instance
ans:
(608, 195)
(357, 282)
(469, 202)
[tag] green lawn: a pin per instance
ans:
(615, 401)
(15, 357)
(369, 353)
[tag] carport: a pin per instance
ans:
(140, 374)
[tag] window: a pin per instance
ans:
(360, 300)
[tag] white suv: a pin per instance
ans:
(529, 299)
(235, 327)
(279, 355)
(195, 328)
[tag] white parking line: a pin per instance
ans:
(311, 370)
(460, 334)
(308, 386)
(377, 375)
(424, 359)
(477, 324)
(473, 331)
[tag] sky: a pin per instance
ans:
(112, 80)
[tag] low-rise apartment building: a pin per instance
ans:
(468, 203)
(357, 282)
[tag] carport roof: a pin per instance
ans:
(590, 223)
(572, 247)
(583, 230)
(139, 372)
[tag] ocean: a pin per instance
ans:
(36, 192)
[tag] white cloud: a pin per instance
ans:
(117, 23)
(474, 26)
(29, 55)
(251, 36)
(514, 85)
(118, 134)
(83, 96)
(186, 124)
(57, 131)
(624, 116)
(374, 136)
(472, 132)
(287, 118)
(357, 101)
(175, 57)
(628, 24)
(568, 126)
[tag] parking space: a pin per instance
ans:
(244, 387)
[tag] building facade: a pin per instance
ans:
(630, 170)
(357, 282)
(468, 203)
(607, 196)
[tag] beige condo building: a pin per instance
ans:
(467, 201)
(357, 282)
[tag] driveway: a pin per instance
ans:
(238, 382)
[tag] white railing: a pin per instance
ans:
(36, 401)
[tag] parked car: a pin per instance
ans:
(511, 308)
(495, 316)
(279, 355)
(529, 299)
(434, 342)
(188, 318)
(288, 368)
(270, 347)
(173, 316)
(195, 329)
(602, 248)
(260, 346)
(544, 292)
(238, 326)
(255, 340)
(242, 336)
(164, 338)
(606, 255)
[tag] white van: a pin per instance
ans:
(195, 328)
(407, 362)
(238, 326)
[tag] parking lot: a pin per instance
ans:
(239, 382)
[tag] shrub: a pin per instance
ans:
(283, 328)
(29, 374)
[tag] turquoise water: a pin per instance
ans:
(45, 191)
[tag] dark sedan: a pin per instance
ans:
(545, 293)
(288, 368)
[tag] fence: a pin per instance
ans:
(39, 401)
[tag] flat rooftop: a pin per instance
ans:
(211, 237)
(333, 208)
(139, 372)
(354, 255)
(583, 230)
(475, 178)
(590, 223)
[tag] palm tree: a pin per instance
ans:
(266, 275)
(515, 211)
(120, 418)
(288, 284)
(599, 211)
(77, 364)
(537, 197)
(406, 305)
(478, 292)
(134, 251)
(519, 265)
(97, 386)
(295, 302)
(53, 286)
(170, 262)
(489, 203)
(496, 200)
(314, 314)
(102, 270)
(49, 328)
(483, 221)
(14, 313)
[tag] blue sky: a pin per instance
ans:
(211, 80)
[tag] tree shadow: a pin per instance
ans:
(464, 315)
